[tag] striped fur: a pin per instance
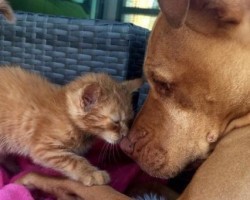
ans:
(51, 125)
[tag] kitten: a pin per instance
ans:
(54, 124)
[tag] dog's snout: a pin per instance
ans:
(127, 146)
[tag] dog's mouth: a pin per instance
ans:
(157, 166)
(154, 159)
(151, 157)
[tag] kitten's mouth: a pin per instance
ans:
(110, 141)
(111, 138)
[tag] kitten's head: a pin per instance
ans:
(101, 106)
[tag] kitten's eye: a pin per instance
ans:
(163, 88)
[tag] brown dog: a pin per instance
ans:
(225, 174)
(197, 65)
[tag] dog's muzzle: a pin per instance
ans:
(128, 143)
(127, 146)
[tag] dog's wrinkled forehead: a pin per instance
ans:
(188, 28)
(225, 11)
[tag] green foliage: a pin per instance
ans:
(54, 7)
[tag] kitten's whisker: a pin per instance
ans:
(102, 154)
(115, 180)
(118, 152)
(110, 156)
(114, 153)
(107, 154)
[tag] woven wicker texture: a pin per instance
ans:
(63, 48)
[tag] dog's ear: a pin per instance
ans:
(7, 11)
(175, 11)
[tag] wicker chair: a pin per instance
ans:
(62, 48)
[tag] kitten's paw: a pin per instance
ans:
(96, 177)
(27, 180)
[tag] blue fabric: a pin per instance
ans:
(150, 197)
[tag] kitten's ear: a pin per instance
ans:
(133, 85)
(90, 96)
(7, 11)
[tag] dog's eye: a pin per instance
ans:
(163, 88)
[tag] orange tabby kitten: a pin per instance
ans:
(54, 124)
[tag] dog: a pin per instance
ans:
(198, 107)
(197, 65)
(225, 174)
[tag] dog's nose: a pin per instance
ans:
(127, 146)
(128, 143)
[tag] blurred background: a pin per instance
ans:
(139, 12)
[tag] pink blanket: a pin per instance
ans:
(123, 171)
(10, 191)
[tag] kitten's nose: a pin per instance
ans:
(127, 146)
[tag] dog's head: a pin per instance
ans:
(198, 68)
(7, 11)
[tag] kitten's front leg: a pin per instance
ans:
(70, 164)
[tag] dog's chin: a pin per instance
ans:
(162, 173)
(168, 171)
